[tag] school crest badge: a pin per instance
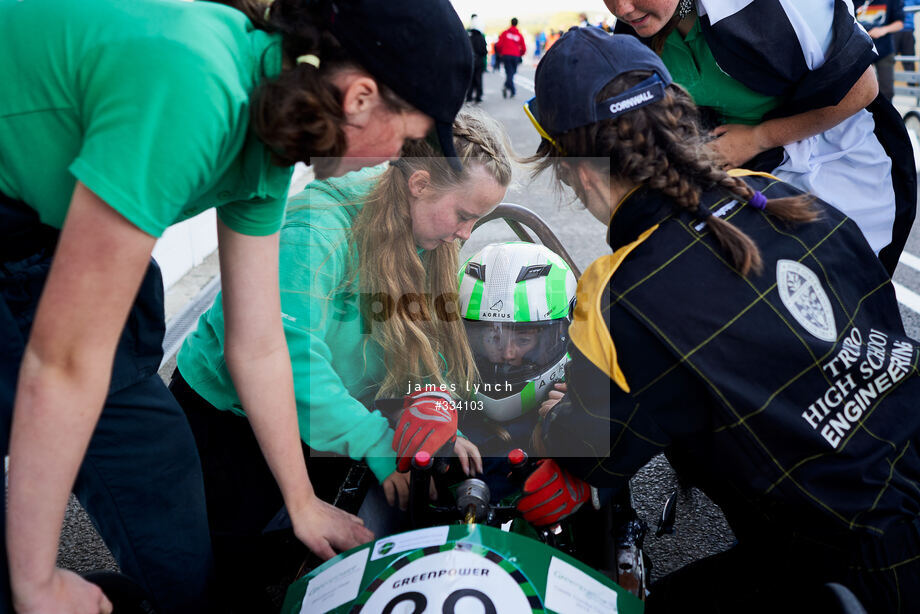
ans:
(802, 294)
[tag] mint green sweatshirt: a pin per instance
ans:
(337, 365)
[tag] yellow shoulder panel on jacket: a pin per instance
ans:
(743, 172)
(589, 330)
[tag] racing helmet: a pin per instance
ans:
(516, 301)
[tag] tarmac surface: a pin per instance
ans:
(700, 529)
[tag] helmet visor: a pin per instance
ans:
(508, 355)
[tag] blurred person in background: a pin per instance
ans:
(883, 21)
(480, 59)
(906, 44)
(539, 43)
(511, 48)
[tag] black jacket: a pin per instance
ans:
(478, 41)
(790, 397)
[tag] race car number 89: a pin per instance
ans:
(450, 603)
(449, 579)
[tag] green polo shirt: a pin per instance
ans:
(692, 65)
(146, 102)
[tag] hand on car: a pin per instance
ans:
(428, 421)
(396, 490)
(468, 455)
(551, 493)
(396, 485)
(327, 530)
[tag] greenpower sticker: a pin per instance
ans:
(410, 540)
(452, 579)
(336, 585)
(571, 591)
(457, 569)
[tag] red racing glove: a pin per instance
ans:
(551, 493)
(428, 421)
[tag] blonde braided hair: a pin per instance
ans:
(422, 337)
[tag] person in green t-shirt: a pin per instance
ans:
(368, 285)
(117, 120)
(789, 88)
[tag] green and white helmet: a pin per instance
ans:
(516, 300)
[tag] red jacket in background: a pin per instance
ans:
(511, 42)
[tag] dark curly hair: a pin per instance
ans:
(298, 114)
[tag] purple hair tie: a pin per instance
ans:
(758, 201)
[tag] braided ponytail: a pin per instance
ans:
(662, 146)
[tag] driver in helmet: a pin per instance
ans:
(511, 348)
(516, 301)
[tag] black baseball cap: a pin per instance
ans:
(581, 63)
(420, 50)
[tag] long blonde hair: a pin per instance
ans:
(420, 329)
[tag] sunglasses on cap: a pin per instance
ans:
(532, 104)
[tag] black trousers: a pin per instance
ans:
(510, 62)
(140, 480)
(252, 560)
(885, 69)
(475, 91)
(904, 44)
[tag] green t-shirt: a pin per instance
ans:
(337, 366)
(692, 65)
(144, 101)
